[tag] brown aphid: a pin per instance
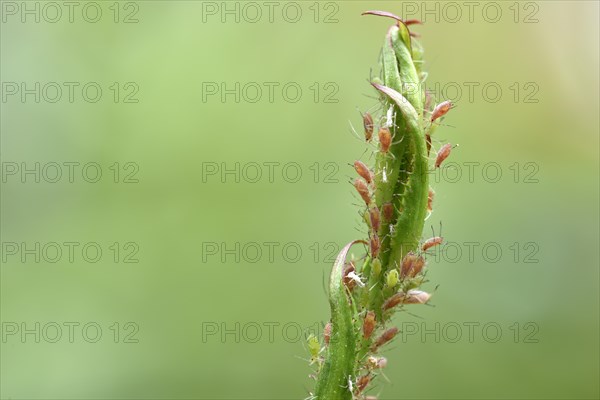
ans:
(409, 22)
(369, 324)
(368, 124)
(442, 154)
(375, 245)
(411, 297)
(393, 301)
(385, 139)
(363, 190)
(348, 281)
(441, 109)
(327, 333)
(384, 338)
(411, 265)
(363, 171)
(388, 212)
(430, 196)
(375, 218)
(362, 382)
(432, 242)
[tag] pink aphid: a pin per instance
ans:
(374, 216)
(441, 109)
(363, 171)
(375, 245)
(408, 22)
(432, 242)
(442, 154)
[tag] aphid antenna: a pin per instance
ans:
(386, 379)
(362, 232)
(370, 96)
(367, 151)
(440, 230)
(397, 142)
(304, 359)
(389, 154)
(438, 122)
(445, 125)
(376, 107)
(353, 132)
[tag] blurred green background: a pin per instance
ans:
(190, 320)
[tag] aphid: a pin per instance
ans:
(432, 242)
(348, 281)
(391, 280)
(384, 338)
(388, 212)
(375, 245)
(393, 301)
(416, 297)
(375, 218)
(368, 124)
(327, 333)
(430, 200)
(363, 190)
(369, 324)
(441, 109)
(362, 383)
(314, 347)
(410, 297)
(350, 385)
(385, 139)
(411, 265)
(363, 171)
(442, 154)
(412, 22)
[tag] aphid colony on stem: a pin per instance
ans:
(365, 292)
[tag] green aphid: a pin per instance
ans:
(392, 278)
(314, 347)
(413, 283)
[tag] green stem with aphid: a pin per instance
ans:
(378, 287)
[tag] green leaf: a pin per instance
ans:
(339, 363)
(409, 226)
